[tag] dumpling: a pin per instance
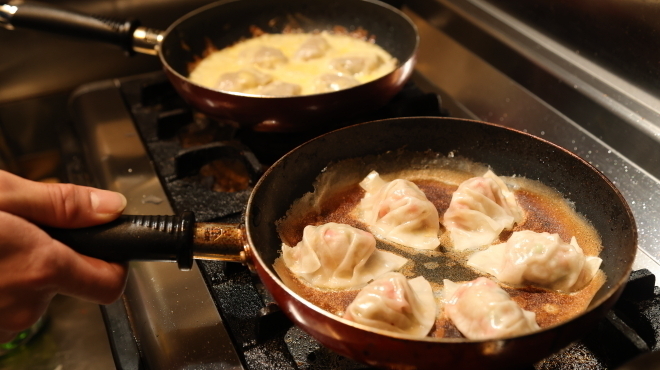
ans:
(479, 210)
(398, 211)
(356, 64)
(314, 47)
(395, 304)
(280, 88)
(332, 82)
(480, 310)
(263, 56)
(338, 256)
(242, 80)
(539, 259)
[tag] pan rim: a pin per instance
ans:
(402, 65)
(616, 287)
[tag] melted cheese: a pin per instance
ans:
(308, 74)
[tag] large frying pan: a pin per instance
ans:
(257, 243)
(224, 23)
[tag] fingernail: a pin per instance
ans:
(107, 202)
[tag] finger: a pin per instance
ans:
(25, 289)
(34, 267)
(25, 313)
(92, 279)
(84, 277)
(58, 205)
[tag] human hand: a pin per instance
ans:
(33, 266)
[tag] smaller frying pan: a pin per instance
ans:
(224, 23)
(257, 242)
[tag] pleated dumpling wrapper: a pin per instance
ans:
(395, 304)
(481, 310)
(338, 256)
(399, 211)
(539, 259)
(479, 210)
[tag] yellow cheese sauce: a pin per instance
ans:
(351, 60)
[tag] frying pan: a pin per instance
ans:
(224, 23)
(257, 243)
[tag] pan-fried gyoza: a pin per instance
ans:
(396, 304)
(480, 209)
(338, 256)
(399, 212)
(480, 309)
(539, 259)
(551, 272)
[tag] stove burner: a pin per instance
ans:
(203, 130)
(189, 161)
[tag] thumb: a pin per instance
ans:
(58, 205)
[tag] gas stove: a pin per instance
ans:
(139, 138)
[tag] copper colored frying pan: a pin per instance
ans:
(257, 243)
(224, 23)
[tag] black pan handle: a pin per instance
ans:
(147, 238)
(49, 18)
